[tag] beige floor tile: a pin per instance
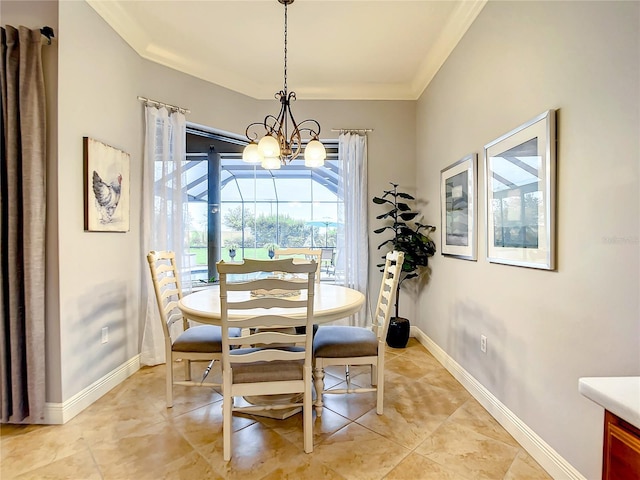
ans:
(143, 454)
(524, 467)
(468, 453)
(130, 434)
(37, 446)
(409, 420)
(202, 426)
(190, 467)
(309, 468)
(356, 452)
(349, 405)
(256, 451)
(417, 467)
(80, 465)
(291, 428)
(472, 415)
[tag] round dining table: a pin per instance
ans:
(331, 302)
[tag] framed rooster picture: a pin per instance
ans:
(106, 187)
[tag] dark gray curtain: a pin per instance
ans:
(22, 222)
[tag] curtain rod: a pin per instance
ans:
(162, 104)
(365, 130)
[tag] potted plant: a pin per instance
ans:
(271, 248)
(232, 246)
(410, 237)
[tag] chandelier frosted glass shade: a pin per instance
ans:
(251, 153)
(314, 153)
(271, 163)
(268, 146)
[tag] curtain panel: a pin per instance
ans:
(352, 262)
(164, 214)
(22, 225)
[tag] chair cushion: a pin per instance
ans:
(275, 371)
(338, 341)
(202, 339)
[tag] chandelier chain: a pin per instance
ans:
(276, 145)
(285, 49)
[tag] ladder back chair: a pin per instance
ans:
(306, 253)
(348, 345)
(279, 359)
(182, 341)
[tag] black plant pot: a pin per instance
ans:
(398, 333)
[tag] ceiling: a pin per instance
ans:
(359, 50)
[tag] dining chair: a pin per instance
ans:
(350, 345)
(327, 259)
(181, 340)
(306, 253)
(279, 360)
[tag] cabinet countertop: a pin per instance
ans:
(619, 395)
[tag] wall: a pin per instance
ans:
(98, 280)
(99, 79)
(391, 146)
(544, 329)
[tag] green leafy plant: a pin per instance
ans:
(408, 235)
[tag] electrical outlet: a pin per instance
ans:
(483, 344)
(105, 334)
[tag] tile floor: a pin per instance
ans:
(431, 429)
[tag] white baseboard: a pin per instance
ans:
(59, 413)
(543, 453)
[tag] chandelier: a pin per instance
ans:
(278, 147)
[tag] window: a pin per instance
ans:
(238, 210)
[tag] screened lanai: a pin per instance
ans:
(239, 210)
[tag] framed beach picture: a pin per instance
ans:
(106, 187)
(520, 179)
(458, 208)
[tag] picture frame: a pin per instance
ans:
(520, 186)
(458, 199)
(106, 187)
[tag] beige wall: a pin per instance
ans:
(99, 79)
(544, 329)
(98, 280)
(391, 145)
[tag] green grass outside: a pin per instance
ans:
(257, 253)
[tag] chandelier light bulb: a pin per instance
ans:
(314, 154)
(269, 146)
(251, 153)
(271, 163)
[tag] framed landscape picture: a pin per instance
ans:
(520, 179)
(106, 187)
(458, 208)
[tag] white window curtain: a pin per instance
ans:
(352, 260)
(164, 213)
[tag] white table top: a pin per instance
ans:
(619, 395)
(331, 302)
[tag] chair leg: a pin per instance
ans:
(187, 369)
(307, 414)
(318, 379)
(379, 386)
(227, 404)
(169, 381)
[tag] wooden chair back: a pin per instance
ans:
(280, 360)
(306, 253)
(166, 284)
(388, 291)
